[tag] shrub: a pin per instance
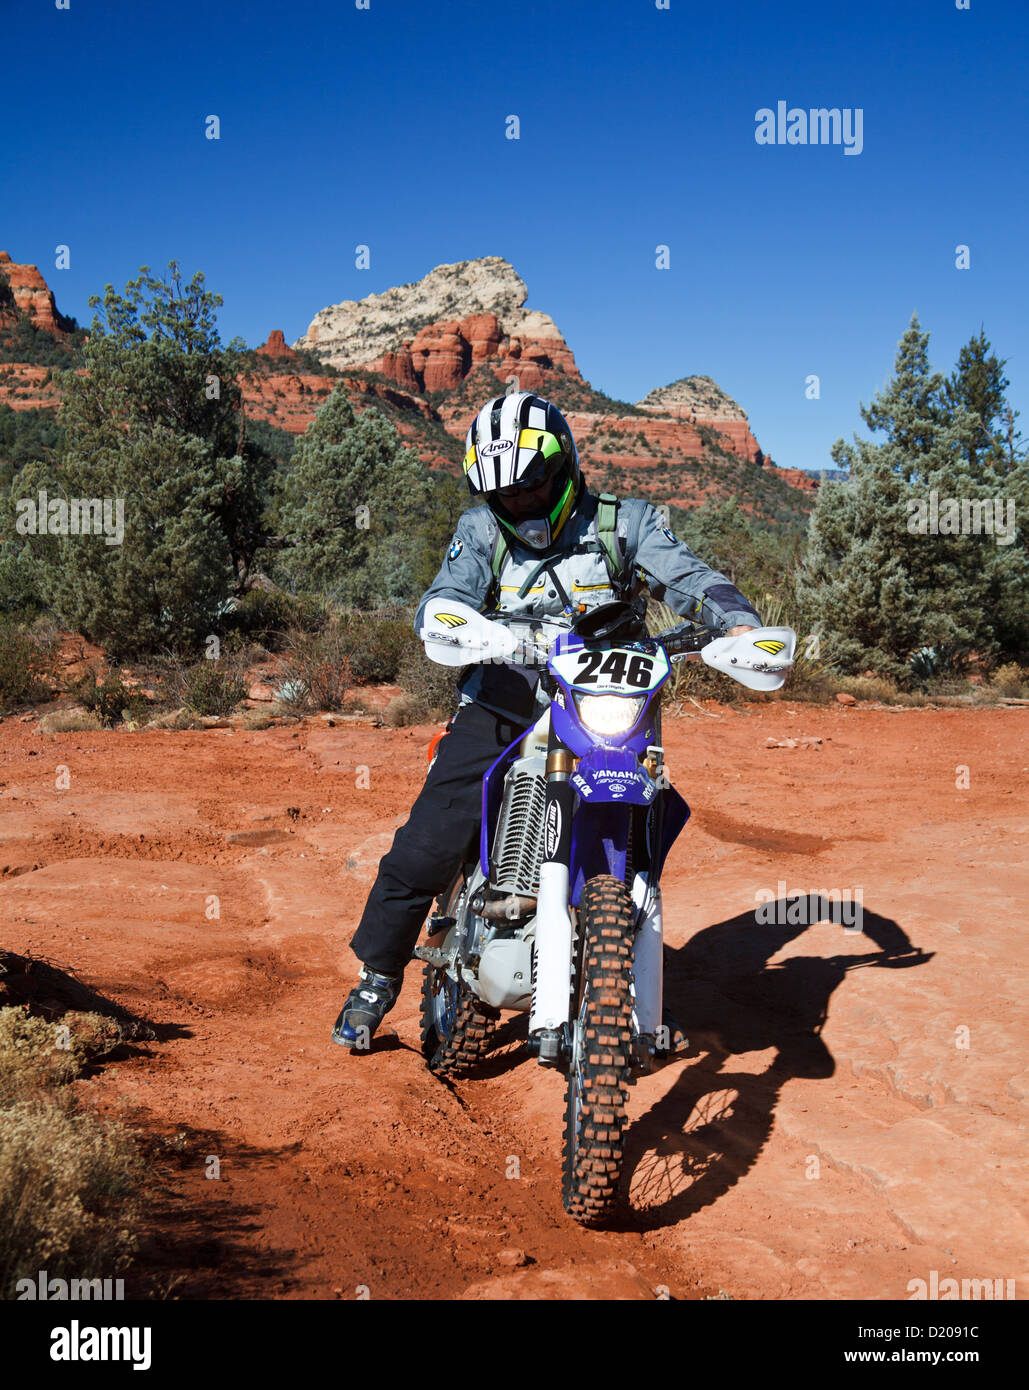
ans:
(208, 686)
(268, 614)
(257, 719)
(108, 698)
(377, 643)
(1011, 681)
(67, 1180)
(406, 709)
(67, 1201)
(69, 721)
(212, 689)
(317, 668)
(36, 1055)
(431, 685)
(872, 688)
(26, 666)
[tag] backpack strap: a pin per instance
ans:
(497, 559)
(605, 525)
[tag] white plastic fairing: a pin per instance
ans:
(456, 635)
(760, 659)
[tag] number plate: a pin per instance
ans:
(619, 671)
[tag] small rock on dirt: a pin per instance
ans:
(843, 699)
(513, 1259)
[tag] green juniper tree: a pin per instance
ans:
(157, 424)
(978, 384)
(756, 557)
(876, 580)
(999, 471)
(352, 506)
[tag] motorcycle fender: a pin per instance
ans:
(615, 775)
(505, 974)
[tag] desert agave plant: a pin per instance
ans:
(293, 694)
(931, 664)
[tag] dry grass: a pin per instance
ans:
(69, 1181)
(69, 721)
(406, 709)
(36, 1055)
(67, 1203)
(1011, 682)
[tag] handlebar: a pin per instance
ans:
(680, 643)
(686, 640)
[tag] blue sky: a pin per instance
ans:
(385, 126)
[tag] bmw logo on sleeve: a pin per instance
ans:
(456, 547)
(669, 535)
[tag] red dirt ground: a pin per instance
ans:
(846, 1119)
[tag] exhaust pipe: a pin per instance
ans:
(512, 907)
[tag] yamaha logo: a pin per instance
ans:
(495, 446)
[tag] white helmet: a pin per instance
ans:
(520, 441)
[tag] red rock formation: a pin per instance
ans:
(798, 478)
(441, 355)
(25, 387)
(32, 296)
(276, 346)
(483, 333)
(289, 400)
(400, 367)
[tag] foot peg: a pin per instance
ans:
(434, 925)
(433, 955)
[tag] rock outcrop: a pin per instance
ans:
(427, 335)
(704, 406)
(440, 356)
(697, 396)
(277, 347)
(31, 296)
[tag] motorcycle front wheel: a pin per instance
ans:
(601, 1059)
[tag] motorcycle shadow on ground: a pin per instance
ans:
(708, 1129)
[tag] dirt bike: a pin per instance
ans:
(560, 914)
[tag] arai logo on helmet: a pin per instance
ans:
(495, 446)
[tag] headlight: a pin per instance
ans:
(610, 714)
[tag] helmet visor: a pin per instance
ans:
(513, 465)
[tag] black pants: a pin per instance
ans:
(441, 832)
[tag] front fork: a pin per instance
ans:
(552, 977)
(552, 957)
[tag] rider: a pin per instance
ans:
(559, 549)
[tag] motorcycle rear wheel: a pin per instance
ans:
(457, 1027)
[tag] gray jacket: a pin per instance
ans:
(671, 570)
